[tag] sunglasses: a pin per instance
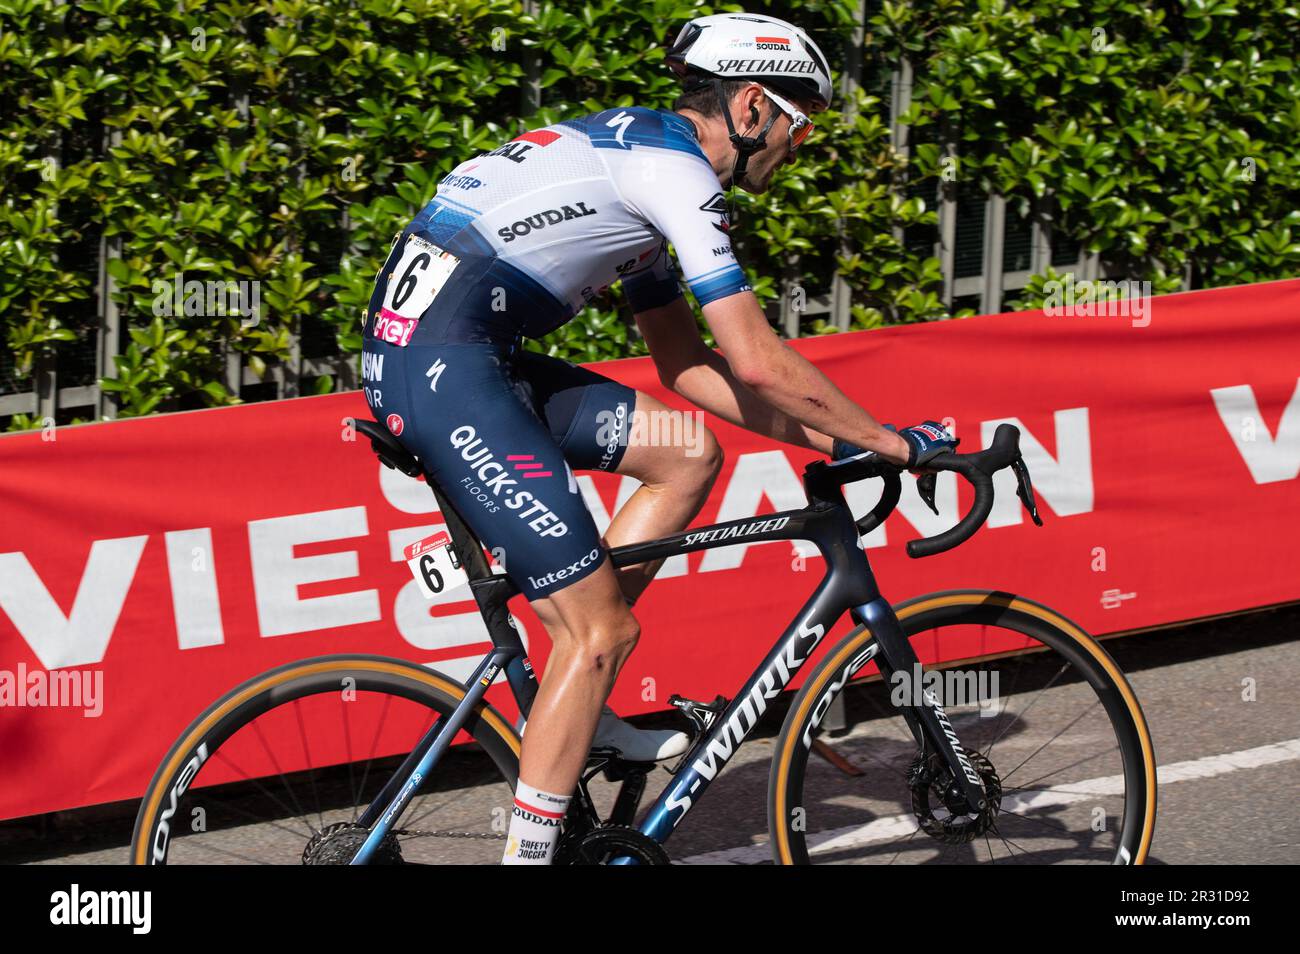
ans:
(800, 125)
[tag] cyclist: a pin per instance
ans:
(515, 242)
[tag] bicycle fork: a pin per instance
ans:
(928, 721)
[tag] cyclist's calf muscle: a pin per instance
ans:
(592, 634)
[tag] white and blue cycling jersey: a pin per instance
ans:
(515, 242)
(531, 232)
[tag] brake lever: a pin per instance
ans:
(926, 486)
(1025, 489)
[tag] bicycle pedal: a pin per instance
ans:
(601, 755)
(611, 763)
(618, 770)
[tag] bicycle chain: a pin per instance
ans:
(483, 835)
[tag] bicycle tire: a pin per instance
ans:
(789, 790)
(152, 840)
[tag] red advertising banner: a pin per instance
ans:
(149, 565)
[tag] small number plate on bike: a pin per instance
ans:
(434, 565)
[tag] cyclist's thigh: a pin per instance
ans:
(603, 425)
(458, 408)
(588, 414)
(668, 446)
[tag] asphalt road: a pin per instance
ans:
(1220, 698)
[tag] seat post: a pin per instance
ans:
(491, 590)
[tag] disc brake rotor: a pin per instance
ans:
(939, 806)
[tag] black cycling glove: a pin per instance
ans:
(927, 441)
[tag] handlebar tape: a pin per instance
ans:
(978, 468)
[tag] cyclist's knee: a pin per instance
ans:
(708, 462)
(602, 645)
(699, 469)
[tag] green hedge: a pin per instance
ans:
(286, 142)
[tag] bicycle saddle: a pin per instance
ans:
(390, 452)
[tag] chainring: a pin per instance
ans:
(597, 846)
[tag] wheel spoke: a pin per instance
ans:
(1070, 765)
(257, 731)
(1011, 694)
(257, 784)
(374, 747)
(248, 859)
(1041, 693)
(306, 754)
(282, 781)
(347, 749)
(1041, 707)
(867, 756)
(1008, 842)
(906, 842)
(454, 798)
(835, 759)
(1071, 725)
(1038, 820)
(258, 819)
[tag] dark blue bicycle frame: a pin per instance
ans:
(849, 584)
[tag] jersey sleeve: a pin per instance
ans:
(669, 184)
(654, 285)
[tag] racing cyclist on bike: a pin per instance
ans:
(515, 242)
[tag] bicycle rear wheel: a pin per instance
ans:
(1062, 752)
(279, 769)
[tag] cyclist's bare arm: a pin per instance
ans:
(757, 382)
(689, 368)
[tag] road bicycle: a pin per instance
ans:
(1055, 765)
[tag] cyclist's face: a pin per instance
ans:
(764, 163)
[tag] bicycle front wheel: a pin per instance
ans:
(280, 769)
(1053, 731)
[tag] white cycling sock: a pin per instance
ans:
(534, 826)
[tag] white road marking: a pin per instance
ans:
(887, 829)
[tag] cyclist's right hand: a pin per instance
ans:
(926, 441)
(917, 445)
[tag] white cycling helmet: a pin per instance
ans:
(750, 46)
